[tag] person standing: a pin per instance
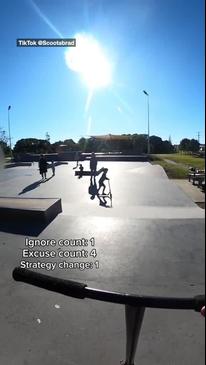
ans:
(53, 168)
(43, 166)
(77, 158)
(93, 164)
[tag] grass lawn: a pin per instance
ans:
(187, 160)
(178, 170)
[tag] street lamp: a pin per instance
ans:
(148, 126)
(9, 107)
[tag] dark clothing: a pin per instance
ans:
(81, 169)
(93, 188)
(77, 158)
(42, 166)
(53, 168)
(93, 164)
(192, 169)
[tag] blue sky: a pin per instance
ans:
(153, 45)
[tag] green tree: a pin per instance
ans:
(125, 144)
(71, 145)
(139, 143)
(194, 145)
(184, 144)
(55, 145)
(3, 142)
(92, 145)
(82, 143)
(32, 145)
(156, 144)
(167, 147)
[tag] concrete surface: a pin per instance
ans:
(151, 242)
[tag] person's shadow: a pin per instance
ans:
(94, 191)
(49, 178)
(31, 187)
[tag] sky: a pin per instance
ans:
(152, 45)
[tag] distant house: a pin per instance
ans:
(62, 148)
(111, 137)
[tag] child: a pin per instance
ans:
(102, 180)
(53, 168)
(77, 158)
(81, 169)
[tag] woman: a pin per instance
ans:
(43, 166)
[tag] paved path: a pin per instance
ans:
(172, 162)
(150, 242)
(192, 191)
(177, 163)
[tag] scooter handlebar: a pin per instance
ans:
(66, 287)
(81, 291)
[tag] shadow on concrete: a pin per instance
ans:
(24, 228)
(81, 172)
(31, 187)
(48, 178)
(105, 199)
(28, 216)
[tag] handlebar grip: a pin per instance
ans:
(66, 287)
(199, 302)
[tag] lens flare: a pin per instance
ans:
(89, 60)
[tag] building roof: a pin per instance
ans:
(109, 137)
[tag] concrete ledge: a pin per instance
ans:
(88, 173)
(58, 163)
(83, 173)
(41, 209)
(128, 158)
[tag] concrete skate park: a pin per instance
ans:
(149, 240)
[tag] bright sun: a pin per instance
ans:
(89, 60)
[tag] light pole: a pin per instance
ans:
(148, 125)
(9, 107)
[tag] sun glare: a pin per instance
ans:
(89, 60)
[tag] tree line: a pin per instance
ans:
(126, 143)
